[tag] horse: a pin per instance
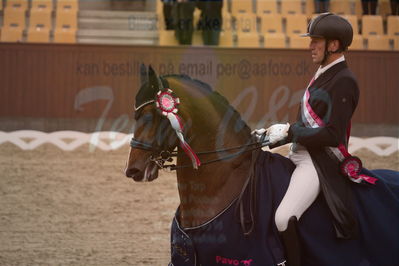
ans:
(229, 188)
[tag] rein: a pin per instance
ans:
(167, 104)
(166, 156)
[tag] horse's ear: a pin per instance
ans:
(153, 78)
(143, 74)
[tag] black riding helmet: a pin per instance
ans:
(331, 27)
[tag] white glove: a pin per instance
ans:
(258, 133)
(277, 132)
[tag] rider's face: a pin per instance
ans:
(317, 48)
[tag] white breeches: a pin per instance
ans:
(302, 190)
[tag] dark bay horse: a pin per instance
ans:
(228, 196)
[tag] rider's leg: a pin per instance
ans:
(302, 190)
(291, 243)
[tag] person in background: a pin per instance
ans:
(210, 21)
(321, 6)
(184, 17)
(369, 7)
(168, 14)
(395, 7)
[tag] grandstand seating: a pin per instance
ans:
(372, 25)
(384, 8)
(167, 37)
(66, 21)
(296, 24)
(197, 38)
(272, 30)
(264, 7)
(299, 42)
(225, 8)
(14, 15)
(378, 42)
(354, 22)
(342, 7)
(290, 7)
(246, 22)
(67, 5)
(247, 39)
(393, 26)
(40, 16)
(11, 33)
(14, 21)
(396, 43)
(42, 4)
(20, 4)
(241, 6)
(357, 43)
(64, 35)
(38, 33)
(274, 40)
(358, 9)
(271, 23)
(66, 18)
(226, 38)
(227, 22)
(309, 8)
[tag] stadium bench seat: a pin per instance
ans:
(241, 6)
(291, 7)
(378, 42)
(38, 33)
(247, 39)
(245, 22)
(265, 7)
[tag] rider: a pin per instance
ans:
(322, 129)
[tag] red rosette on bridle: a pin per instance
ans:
(351, 166)
(167, 102)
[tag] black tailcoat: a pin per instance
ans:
(334, 96)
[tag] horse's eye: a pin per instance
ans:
(146, 118)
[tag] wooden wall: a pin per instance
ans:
(92, 81)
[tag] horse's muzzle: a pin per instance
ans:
(150, 173)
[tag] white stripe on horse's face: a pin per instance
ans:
(139, 165)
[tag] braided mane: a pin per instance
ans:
(216, 95)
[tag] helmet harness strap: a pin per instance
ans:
(328, 53)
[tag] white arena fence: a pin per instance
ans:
(110, 140)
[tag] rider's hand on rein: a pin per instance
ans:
(277, 132)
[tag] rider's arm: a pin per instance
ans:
(344, 100)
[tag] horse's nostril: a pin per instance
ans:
(134, 173)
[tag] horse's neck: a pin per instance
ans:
(207, 191)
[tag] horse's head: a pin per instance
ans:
(153, 135)
(204, 121)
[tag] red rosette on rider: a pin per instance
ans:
(351, 166)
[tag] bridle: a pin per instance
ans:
(167, 104)
(161, 156)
